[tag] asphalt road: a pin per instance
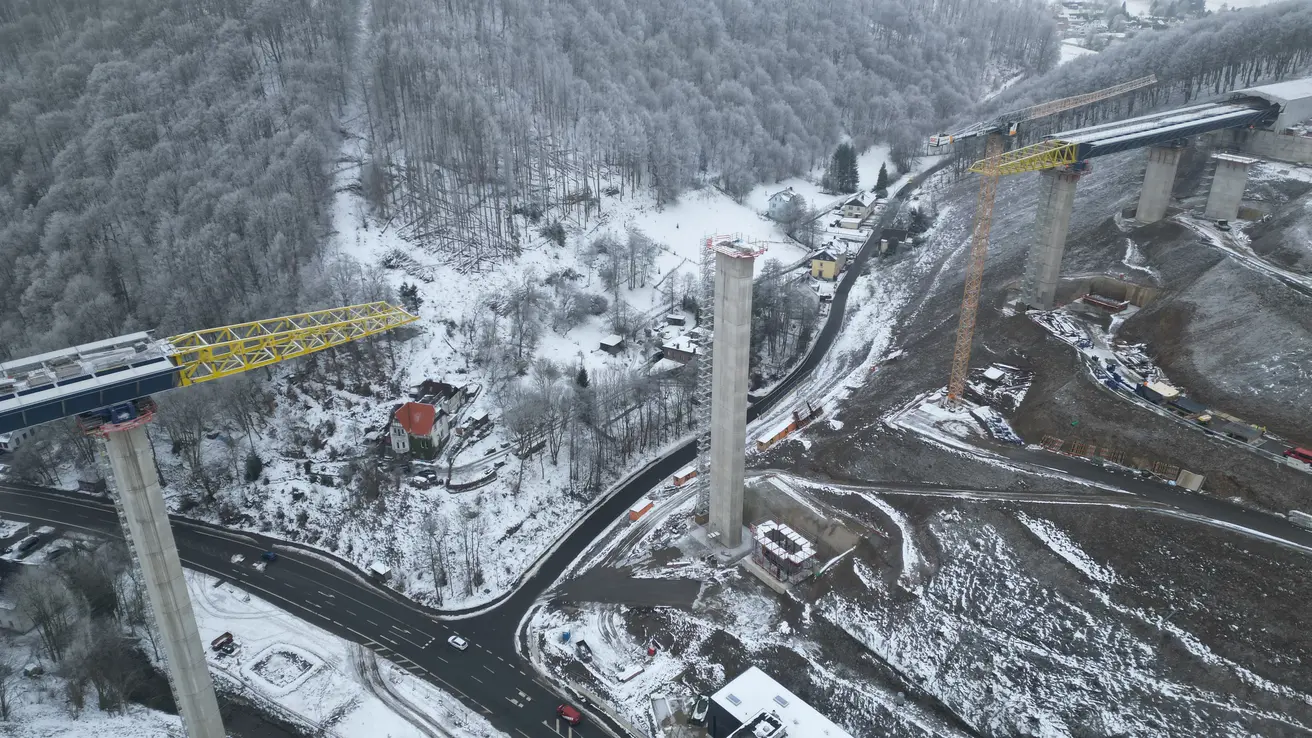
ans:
(487, 677)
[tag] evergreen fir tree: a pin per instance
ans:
(841, 175)
(882, 182)
(581, 379)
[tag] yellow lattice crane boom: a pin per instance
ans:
(90, 378)
(996, 163)
(220, 352)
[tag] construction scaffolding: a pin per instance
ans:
(782, 552)
(702, 395)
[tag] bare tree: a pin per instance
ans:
(93, 580)
(42, 594)
(9, 676)
(434, 529)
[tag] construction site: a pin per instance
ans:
(929, 538)
(1067, 536)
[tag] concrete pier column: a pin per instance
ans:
(132, 460)
(1043, 265)
(1227, 186)
(729, 375)
(1158, 180)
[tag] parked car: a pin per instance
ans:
(699, 709)
(1223, 225)
(569, 714)
(24, 545)
(458, 643)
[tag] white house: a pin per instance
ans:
(780, 202)
(12, 440)
(420, 429)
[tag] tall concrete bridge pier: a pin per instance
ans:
(734, 264)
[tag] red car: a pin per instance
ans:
(569, 714)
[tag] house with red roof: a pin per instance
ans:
(420, 429)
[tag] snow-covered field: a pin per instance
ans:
(317, 679)
(1011, 654)
(1071, 50)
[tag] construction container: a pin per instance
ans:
(640, 508)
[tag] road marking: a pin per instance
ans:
(326, 594)
(367, 620)
(397, 627)
(526, 735)
(471, 676)
(316, 605)
(489, 669)
(526, 697)
(501, 659)
(439, 658)
(389, 640)
(514, 702)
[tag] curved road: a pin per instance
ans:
(490, 677)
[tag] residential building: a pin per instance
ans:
(827, 264)
(680, 349)
(612, 344)
(449, 397)
(420, 429)
(12, 440)
(782, 202)
(756, 706)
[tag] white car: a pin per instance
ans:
(237, 558)
(458, 643)
(260, 565)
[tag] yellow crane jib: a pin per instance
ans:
(220, 352)
(1032, 158)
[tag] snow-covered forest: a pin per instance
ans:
(163, 164)
(1198, 60)
(481, 110)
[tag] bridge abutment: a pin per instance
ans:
(1158, 181)
(1228, 185)
(1043, 265)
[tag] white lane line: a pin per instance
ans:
(439, 658)
(489, 669)
(471, 676)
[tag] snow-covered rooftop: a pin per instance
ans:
(754, 691)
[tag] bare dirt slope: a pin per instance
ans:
(1238, 340)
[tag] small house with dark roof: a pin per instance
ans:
(420, 429)
(612, 344)
(449, 397)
